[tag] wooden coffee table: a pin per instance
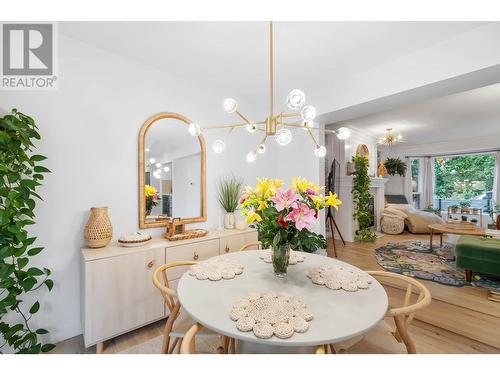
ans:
(447, 228)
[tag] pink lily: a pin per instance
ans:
(302, 216)
(284, 199)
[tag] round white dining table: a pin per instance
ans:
(338, 315)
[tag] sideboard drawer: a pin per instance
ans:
(234, 243)
(193, 252)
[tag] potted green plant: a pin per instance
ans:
(20, 176)
(228, 195)
(465, 206)
(361, 197)
(395, 166)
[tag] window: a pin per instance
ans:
(415, 182)
(463, 178)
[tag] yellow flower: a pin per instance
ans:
(267, 187)
(318, 200)
(262, 205)
(332, 200)
(300, 185)
(149, 191)
(277, 183)
(253, 216)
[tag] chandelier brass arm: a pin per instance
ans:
(275, 124)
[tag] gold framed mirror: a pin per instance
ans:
(362, 150)
(172, 172)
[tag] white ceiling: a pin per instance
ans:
(473, 113)
(232, 57)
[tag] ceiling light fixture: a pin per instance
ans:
(389, 138)
(276, 124)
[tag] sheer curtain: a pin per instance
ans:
(496, 181)
(427, 197)
(407, 181)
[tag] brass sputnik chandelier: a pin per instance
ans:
(302, 116)
(389, 138)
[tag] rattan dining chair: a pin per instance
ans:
(257, 245)
(402, 313)
(177, 322)
(320, 349)
(188, 345)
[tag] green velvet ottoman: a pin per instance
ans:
(474, 253)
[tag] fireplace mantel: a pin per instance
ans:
(344, 216)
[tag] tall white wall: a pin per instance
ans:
(186, 186)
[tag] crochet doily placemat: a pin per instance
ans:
(216, 269)
(295, 256)
(271, 314)
(337, 277)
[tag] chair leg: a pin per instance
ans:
(168, 328)
(174, 344)
(405, 336)
(468, 275)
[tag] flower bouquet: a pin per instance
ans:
(152, 198)
(284, 217)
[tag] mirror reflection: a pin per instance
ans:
(172, 172)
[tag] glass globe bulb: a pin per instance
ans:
(194, 129)
(251, 128)
(283, 136)
(152, 160)
(308, 113)
(295, 99)
(230, 105)
(157, 174)
(343, 133)
(166, 169)
(261, 149)
(158, 165)
(400, 136)
(320, 151)
(219, 146)
(251, 156)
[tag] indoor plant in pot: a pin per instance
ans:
(228, 196)
(20, 176)
(395, 166)
(284, 217)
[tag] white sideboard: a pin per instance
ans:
(118, 295)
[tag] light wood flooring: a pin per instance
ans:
(458, 321)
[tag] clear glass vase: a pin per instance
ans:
(281, 254)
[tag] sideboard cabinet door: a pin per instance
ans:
(120, 295)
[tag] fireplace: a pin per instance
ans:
(344, 216)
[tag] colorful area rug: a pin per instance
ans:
(414, 258)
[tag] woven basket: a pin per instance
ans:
(192, 233)
(98, 231)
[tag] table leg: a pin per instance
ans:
(441, 240)
(430, 241)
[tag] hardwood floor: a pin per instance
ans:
(458, 321)
(463, 310)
